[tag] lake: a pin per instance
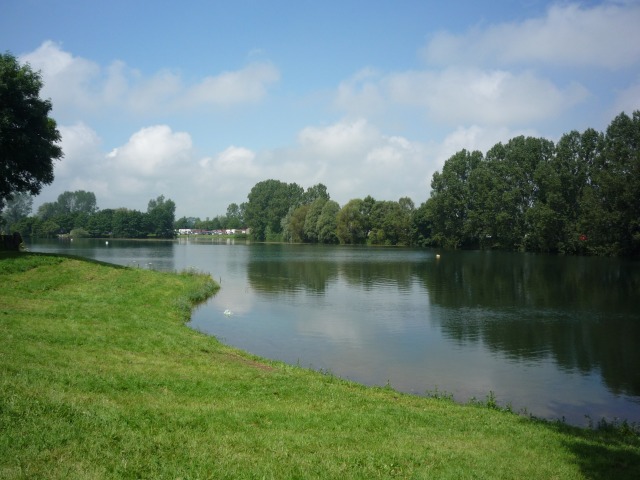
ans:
(557, 337)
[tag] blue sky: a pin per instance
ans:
(200, 100)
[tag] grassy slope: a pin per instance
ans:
(99, 378)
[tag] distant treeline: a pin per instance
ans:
(579, 196)
(76, 214)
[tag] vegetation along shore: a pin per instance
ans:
(100, 378)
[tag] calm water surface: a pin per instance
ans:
(557, 336)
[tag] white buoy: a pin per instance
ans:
(107, 242)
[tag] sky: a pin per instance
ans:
(200, 100)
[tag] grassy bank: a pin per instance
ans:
(100, 378)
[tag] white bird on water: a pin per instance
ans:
(228, 312)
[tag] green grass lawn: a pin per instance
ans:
(100, 378)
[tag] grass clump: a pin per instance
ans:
(100, 378)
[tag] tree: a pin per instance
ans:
(315, 192)
(269, 202)
(422, 224)
(235, 218)
(161, 217)
(100, 224)
(185, 222)
(79, 201)
(28, 136)
(327, 223)
(18, 207)
(351, 227)
(451, 199)
(611, 204)
(293, 224)
(129, 224)
(312, 217)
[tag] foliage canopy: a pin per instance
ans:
(28, 136)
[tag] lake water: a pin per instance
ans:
(557, 336)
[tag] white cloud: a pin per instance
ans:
(78, 86)
(360, 94)
(604, 35)
(70, 81)
(154, 94)
(81, 147)
(152, 152)
(466, 95)
(247, 85)
(338, 139)
(355, 159)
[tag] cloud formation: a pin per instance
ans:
(78, 85)
(569, 35)
(462, 95)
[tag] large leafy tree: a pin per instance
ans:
(327, 223)
(28, 136)
(315, 192)
(268, 203)
(611, 204)
(351, 222)
(235, 216)
(311, 220)
(161, 217)
(129, 224)
(451, 199)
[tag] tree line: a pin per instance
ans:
(279, 211)
(578, 196)
(76, 214)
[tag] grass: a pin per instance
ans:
(100, 378)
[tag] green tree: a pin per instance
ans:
(235, 217)
(129, 224)
(503, 189)
(327, 222)
(19, 206)
(422, 224)
(351, 224)
(268, 203)
(47, 228)
(611, 203)
(554, 218)
(70, 210)
(311, 219)
(28, 136)
(293, 224)
(390, 223)
(315, 192)
(406, 232)
(27, 226)
(451, 200)
(79, 201)
(186, 222)
(100, 224)
(161, 217)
